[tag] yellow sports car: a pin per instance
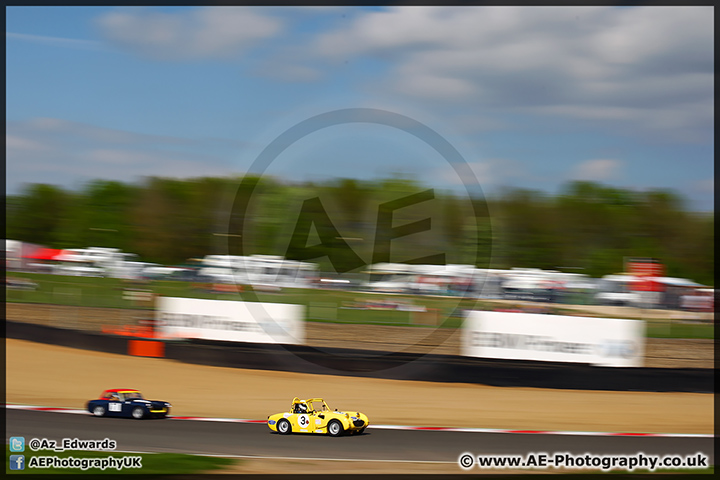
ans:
(314, 416)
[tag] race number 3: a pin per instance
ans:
(303, 421)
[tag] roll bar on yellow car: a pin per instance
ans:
(309, 403)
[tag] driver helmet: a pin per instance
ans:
(302, 408)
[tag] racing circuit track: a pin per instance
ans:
(376, 444)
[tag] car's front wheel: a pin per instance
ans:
(283, 427)
(138, 413)
(334, 428)
(99, 411)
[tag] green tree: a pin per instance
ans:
(588, 225)
(35, 215)
(528, 230)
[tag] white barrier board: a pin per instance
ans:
(607, 342)
(232, 321)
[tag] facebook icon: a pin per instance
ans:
(17, 462)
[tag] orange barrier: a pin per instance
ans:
(146, 348)
(130, 331)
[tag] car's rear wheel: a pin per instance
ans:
(138, 413)
(99, 411)
(334, 428)
(283, 427)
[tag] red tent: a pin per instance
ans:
(44, 254)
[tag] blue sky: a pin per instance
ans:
(531, 97)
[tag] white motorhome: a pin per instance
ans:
(13, 254)
(98, 262)
(532, 284)
(617, 290)
(623, 289)
(259, 270)
(421, 279)
(390, 277)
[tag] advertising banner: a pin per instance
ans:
(233, 321)
(609, 342)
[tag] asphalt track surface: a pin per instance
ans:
(256, 440)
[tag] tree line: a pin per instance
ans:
(586, 228)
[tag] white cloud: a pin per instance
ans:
(60, 152)
(492, 172)
(123, 158)
(600, 169)
(16, 143)
(645, 69)
(483, 172)
(55, 41)
(440, 87)
(705, 186)
(197, 33)
(637, 70)
(56, 129)
(129, 164)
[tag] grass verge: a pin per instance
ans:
(331, 306)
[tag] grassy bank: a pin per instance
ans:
(333, 306)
